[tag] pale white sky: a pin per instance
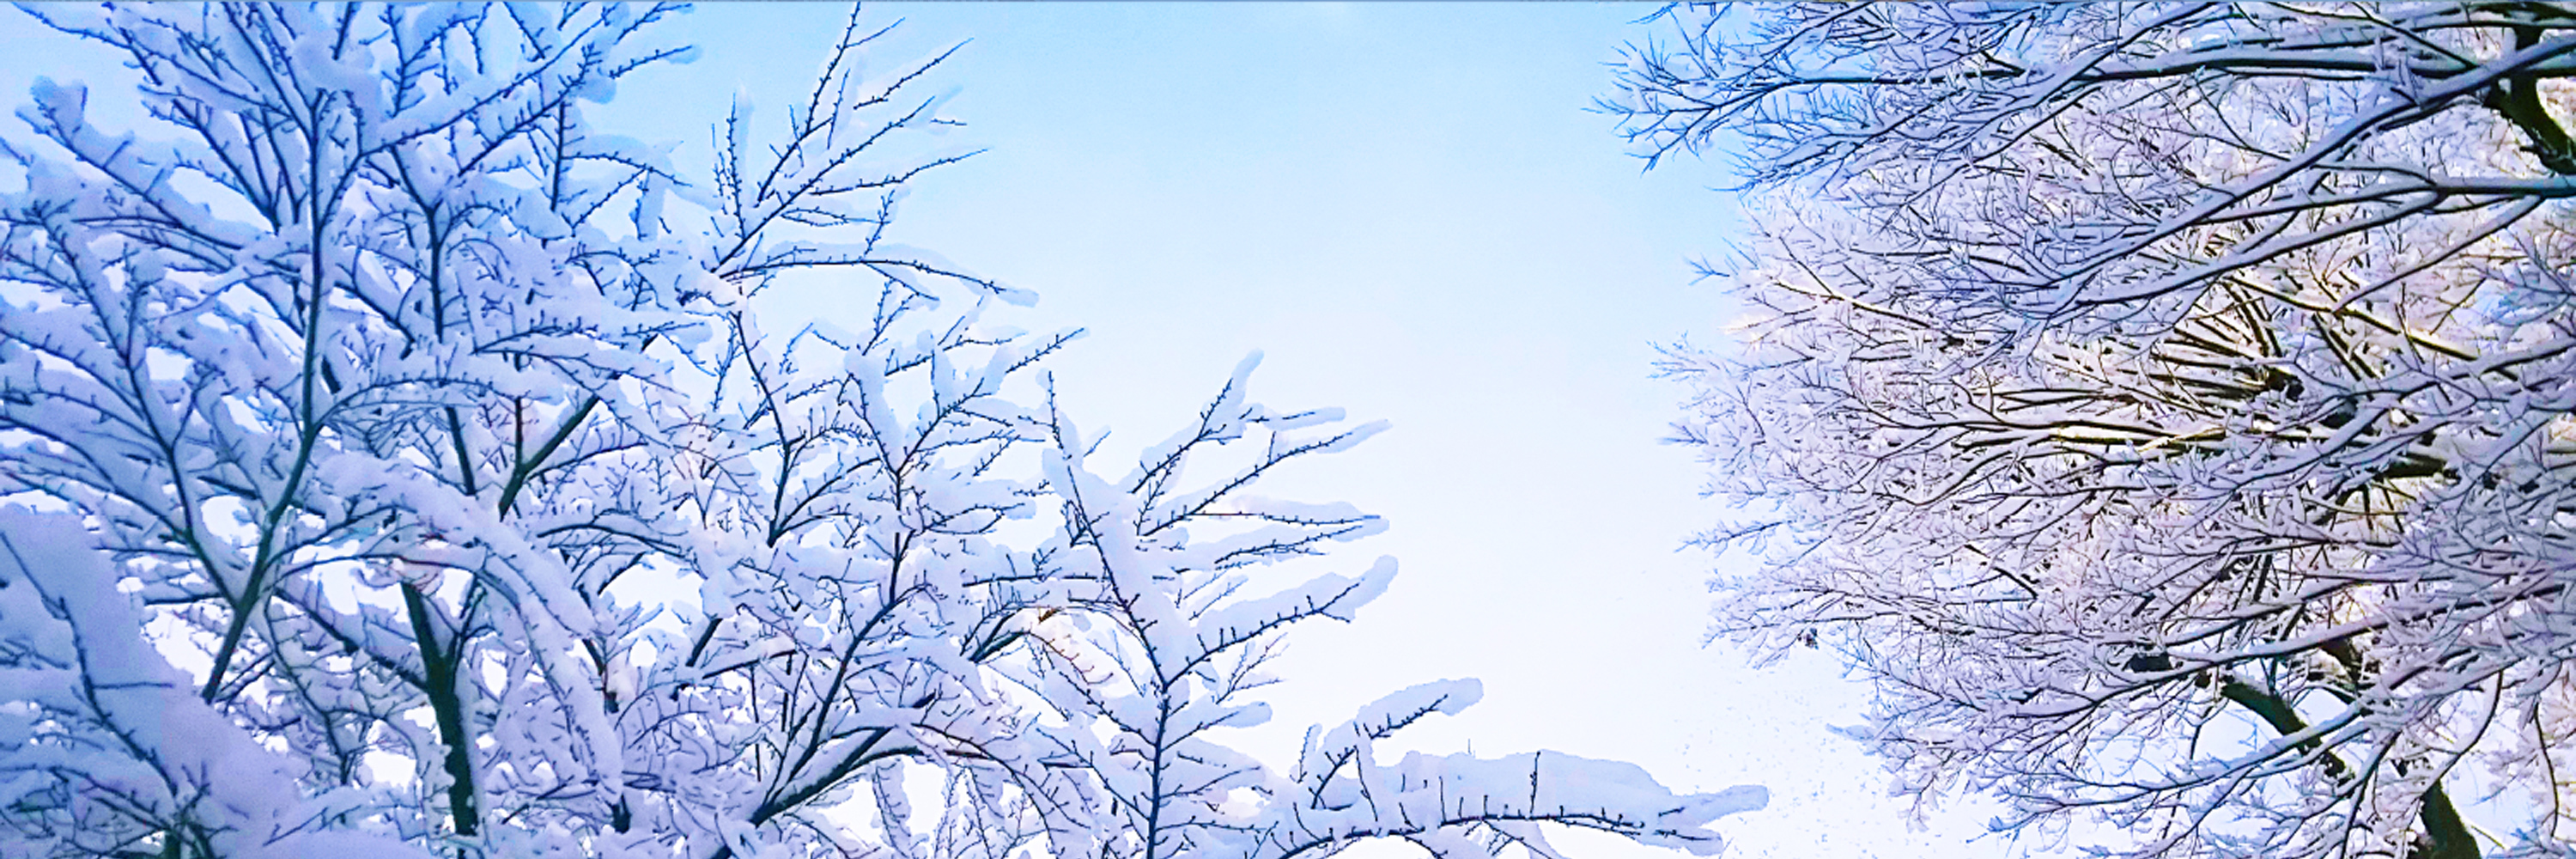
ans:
(1408, 209)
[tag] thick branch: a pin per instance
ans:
(2448, 837)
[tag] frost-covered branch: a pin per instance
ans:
(2166, 404)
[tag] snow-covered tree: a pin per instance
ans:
(2171, 408)
(394, 464)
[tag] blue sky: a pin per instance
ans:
(1408, 209)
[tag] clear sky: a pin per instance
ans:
(1408, 209)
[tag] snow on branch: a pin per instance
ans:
(2167, 405)
(392, 463)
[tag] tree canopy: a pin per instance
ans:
(2169, 407)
